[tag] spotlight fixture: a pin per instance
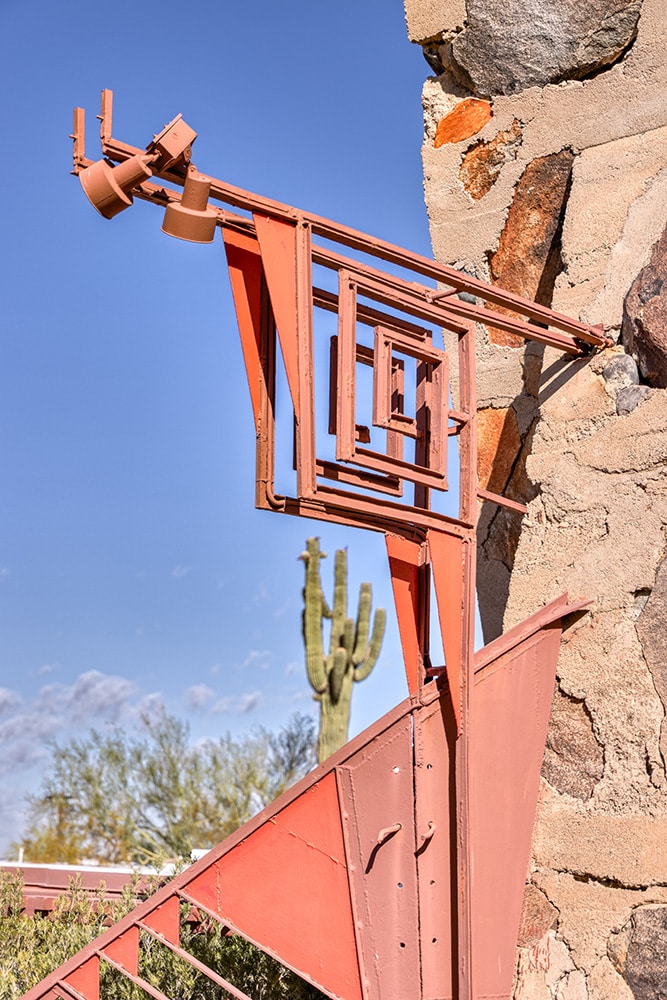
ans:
(173, 144)
(190, 218)
(108, 188)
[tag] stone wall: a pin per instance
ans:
(545, 166)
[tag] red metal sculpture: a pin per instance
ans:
(397, 869)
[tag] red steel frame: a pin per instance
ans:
(273, 253)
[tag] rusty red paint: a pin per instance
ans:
(299, 907)
(339, 866)
(380, 844)
(165, 920)
(314, 864)
(85, 979)
(278, 245)
(448, 577)
(125, 950)
(517, 688)
(245, 273)
(404, 565)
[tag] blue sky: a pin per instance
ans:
(133, 565)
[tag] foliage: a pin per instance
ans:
(351, 657)
(116, 798)
(32, 947)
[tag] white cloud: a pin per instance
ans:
(59, 711)
(151, 704)
(256, 658)
(198, 696)
(8, 699)
(94, 694)
(46, 668)
(237, 704)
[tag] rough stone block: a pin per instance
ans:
(639, 952)
(429, 19)
(528, 255)
(481, 165)
(616, 210)
(538, 916)
(629, 398)
(509, 45)
(465, 120)
(635, 847)
(573, 760)
(644, 328)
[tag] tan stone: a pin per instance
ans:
(604, 982)
(615, 213)
(589, 912)
(598, 526)
(428, 19)
(635, 847)
(541, 968)
(644, 436)
(466, 119)
(626, 101)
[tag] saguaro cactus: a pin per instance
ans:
(351, 656)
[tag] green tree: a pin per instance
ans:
(351, 655)
(118, 797)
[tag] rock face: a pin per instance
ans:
(481, 165)
(639, 953)
(562, 196)
(528, 256)
(508, 45)
(644, 329)
(466, 119)
(652, 632)
(573, 761)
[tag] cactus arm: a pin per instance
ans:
(351, 657)
(337, 674)
(369, 661)
(363, 620)
(340, 601)
(312, 618)
(348, 639)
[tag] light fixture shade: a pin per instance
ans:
(191, 219)
(108, 188)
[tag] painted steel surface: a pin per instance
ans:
(348, 878)
(396, 870)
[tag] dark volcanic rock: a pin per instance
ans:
(639, 953)
(509, 45)
(644, 330)
(629, 398)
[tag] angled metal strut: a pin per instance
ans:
(396, 870)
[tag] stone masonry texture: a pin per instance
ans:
(558, 190)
